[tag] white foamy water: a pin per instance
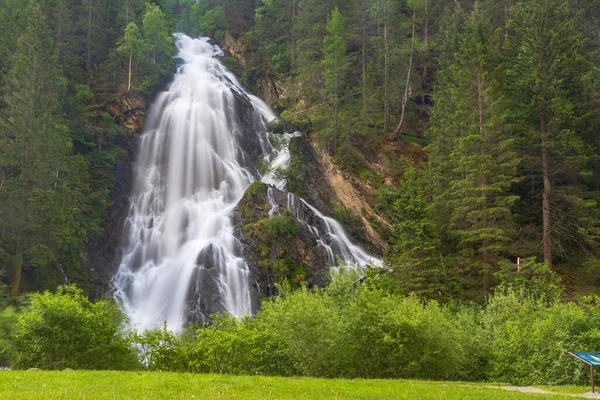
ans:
(191, 171)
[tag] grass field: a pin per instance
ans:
(148, 385)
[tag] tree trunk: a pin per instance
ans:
(547, 189)
(88, 62)
(426, 42)
(386, 123)
(293, 33)
(405, 97)
(129, 75)
(59, 34)
(364, 59)
(480, 101)
(16, 283)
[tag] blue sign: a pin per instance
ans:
(588, 358)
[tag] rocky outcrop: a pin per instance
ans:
(233, 47)
(104, 253)
(306, 175)
(346, 192)
(289, 250)
(129, 110)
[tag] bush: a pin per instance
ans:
(66, 330)
(8, 322)
(305, 332)
(402, 337)
(161, 350)
(229, 345)
(528, 340)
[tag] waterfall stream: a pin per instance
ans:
(196, 158)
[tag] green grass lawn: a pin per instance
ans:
(149, 385)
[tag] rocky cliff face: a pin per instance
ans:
(279, 247)
(104, 254)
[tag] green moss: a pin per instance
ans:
(254, 190)
(294, 171)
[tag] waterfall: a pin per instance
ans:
(195, 160)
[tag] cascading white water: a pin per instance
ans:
(192, 170)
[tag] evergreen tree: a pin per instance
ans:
(544, 69)
(33, 145)
(415, 257)
(335, 61)
(480, 163)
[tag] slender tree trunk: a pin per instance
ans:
(293, 33)
(487, 276)
(506, 19)
(364, 59)
(129, 75)
(88, 62)
(405, 97)
(426, 42)
(59, 33)
(16, 283)
(480, 101)
(547, 189)
(107, 15)
(386, 123)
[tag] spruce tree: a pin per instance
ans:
(480, 162)
(335, 61)
(33, 144)
(544, 68)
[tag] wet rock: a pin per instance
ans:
(298, 258)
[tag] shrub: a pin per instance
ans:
(66, 330)
(528, 340)
(161, 350)
(8, 323)
(229, 345)
(305, 333)
(402, 337)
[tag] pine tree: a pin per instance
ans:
(480, 165)
(33, 144)
(335, 61)
(544, 69)
(415, 257)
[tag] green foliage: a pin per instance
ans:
(415, 256)
(8, 321)
(536, 279)
(229, 345)
(160, 350)
(528, 341)
(66, 330)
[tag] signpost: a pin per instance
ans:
(591, 359)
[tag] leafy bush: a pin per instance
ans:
(403, 337)
(161, 350)
(229, 345)
(66, 330)
(528, 340)
(8, 322)
(306, 334)
(535, 278)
